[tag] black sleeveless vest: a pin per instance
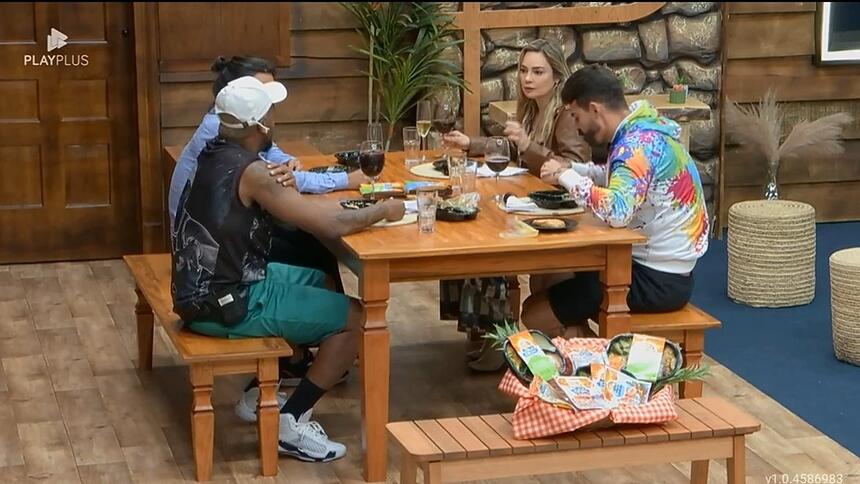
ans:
(220, 246)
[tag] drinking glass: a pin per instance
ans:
(374, 132)
(426, 201)
(470, 174)
(412, 146)
(456, 167)
(423, 116)
(371, 160)
(497, 155)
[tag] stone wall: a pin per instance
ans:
(683, 37)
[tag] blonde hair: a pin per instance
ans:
(527, 109)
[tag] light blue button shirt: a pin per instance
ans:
(186, 166)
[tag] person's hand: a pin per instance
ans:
(551, 170)
(517, 135)
(456, 139)
(295, 164)
(394, 209)
(355, 179)
(282, 174)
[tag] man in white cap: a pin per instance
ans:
(223, 284)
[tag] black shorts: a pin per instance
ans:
(575, 300)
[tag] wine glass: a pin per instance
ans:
(371, 160)
(497, 155)
(374, 132)
(422, 121)
(444, 118)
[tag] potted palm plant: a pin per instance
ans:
(404, 43)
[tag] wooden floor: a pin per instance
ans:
(73, 407)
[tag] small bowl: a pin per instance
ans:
(552, 199)
(347, 158)
(518, 366)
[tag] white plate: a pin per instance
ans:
(544, 211)
(409, 218)
(427, 171)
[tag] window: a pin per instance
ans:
(837, 31)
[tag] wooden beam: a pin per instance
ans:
(469, 22)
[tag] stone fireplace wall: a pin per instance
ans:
(648, 54)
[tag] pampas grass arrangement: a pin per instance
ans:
(760, 127)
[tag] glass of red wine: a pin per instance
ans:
(497, 155)
(444, 118)
(371, 160)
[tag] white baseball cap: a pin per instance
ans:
(248, 99)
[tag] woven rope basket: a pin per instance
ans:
(845, 304)
(771, 253)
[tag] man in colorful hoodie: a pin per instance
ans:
(649, 183)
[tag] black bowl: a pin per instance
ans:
(455, 214)
(518, 366)
(552, 199)
(332, 169)
(348, 158)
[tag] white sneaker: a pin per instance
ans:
(306, 441)
(246, 407)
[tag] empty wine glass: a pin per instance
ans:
(374, 132)
(497, 155)
(422, 120)
(371, 160)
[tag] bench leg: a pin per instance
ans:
(202, 420)
(692, 351)
(736, 465)
(145, 323)
(699, 472)
(408, 468)
(433, 473)
(268, 414)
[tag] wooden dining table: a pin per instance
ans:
(380, 256)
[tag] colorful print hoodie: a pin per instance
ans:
(653, 185)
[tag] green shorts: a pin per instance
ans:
(291, 302)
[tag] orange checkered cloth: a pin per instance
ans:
(533, 418)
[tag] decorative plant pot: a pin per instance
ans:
(678, 96)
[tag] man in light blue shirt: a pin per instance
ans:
(186, 167)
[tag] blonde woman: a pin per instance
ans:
(544, 130)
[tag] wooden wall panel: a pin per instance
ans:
(184, 104)
(771, 45)
(833, 202)
(191, 35)
(769, 7)
(326, 137)
(770, 35)
(746, 169)
(795, 78)
(326, 44)
(320, 16)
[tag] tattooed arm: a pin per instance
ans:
(320, 217)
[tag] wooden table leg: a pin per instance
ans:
(699, 472)
(614, 314)
(145, 321)
(374, 355)
(268, 414)
(202, 420)
(692, 351)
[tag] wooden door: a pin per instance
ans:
(68, 136)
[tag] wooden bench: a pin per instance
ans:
(207, 357)
(470, 448)
(686, 327)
